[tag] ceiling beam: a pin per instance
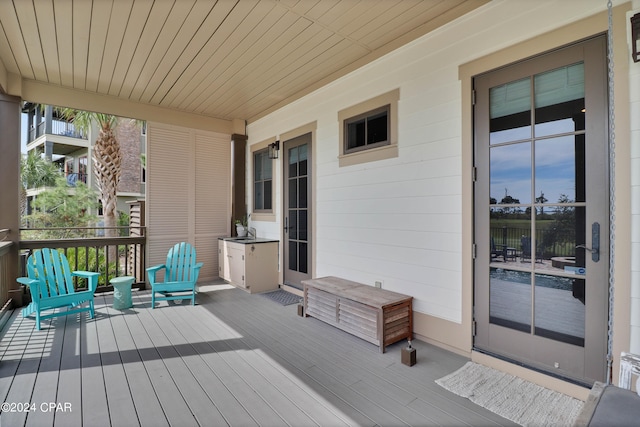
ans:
(43, 93)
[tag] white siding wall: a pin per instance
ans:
(188, 192)
(634, 84)
(399, 221)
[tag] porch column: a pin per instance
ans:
(10, 181)
(238, 178)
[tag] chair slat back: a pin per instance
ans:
(52, 268)
(180, 261)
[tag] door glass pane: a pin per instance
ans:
(508, 227)
(559, 100)
(302, 167)
(510, 299)
(302, 259)
(293, 193)
(560, 172)
(510, 174)
(302, 193)
(293, 255)
(302, 225)
(510, 111)
(560, 311)
(293, 162)
(293, 224)
(560, 229)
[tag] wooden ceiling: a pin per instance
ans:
(225, 59)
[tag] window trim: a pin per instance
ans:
(262, 214)
(377, 151)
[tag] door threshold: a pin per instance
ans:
(292, 289)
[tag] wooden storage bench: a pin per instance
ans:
(376, 315)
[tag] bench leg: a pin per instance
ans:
(92, 313)
(153, 299)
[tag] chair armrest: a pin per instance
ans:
(196, 270)
(34, 287)
(151, 272)
(92, 278)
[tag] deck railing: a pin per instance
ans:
(512, 237)
(87, 249)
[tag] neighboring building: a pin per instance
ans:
(71, 149)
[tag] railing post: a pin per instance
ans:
(10, 179)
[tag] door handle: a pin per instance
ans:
(286, 224)
(595, 242)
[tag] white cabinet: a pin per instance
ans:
(250, 264)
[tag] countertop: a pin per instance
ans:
(247, 240)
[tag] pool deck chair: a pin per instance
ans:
(180, 276)
(50, 282)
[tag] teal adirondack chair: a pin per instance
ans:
(180, 276)
(50, 282)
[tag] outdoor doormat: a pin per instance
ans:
(511, 397)
(282, 297)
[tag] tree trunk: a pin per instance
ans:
(107, 160)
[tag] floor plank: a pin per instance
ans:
(233, 359)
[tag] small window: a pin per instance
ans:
(368, 130)
(262, 182)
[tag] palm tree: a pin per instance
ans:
(35, 171)
(107, 160)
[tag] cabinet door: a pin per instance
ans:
(222, 260)
(236, 264)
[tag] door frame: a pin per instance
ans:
(594, 351)
(309, 128)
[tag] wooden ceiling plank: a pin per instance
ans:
(63, 12)
(300, 7)
(201, 16)
(13, 33)
(81, 30)
(226, 29)
(177, 19)
(6, 54)
(239, 44)
(349, 11)
(182, 53)
(47, 31)
(115, 38)
(298, 81)
(409, 20)
(259, 38)
(267, 61)
(288, 68)
(101, 16)
(368, 11)
(138, 20)
(31, 36)
(155, 24)
(321, 8)
(383, 17)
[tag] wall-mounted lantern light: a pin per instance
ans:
(274, 147)
(635, 37)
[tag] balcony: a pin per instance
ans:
(58, 127)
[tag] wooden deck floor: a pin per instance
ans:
(233, 359)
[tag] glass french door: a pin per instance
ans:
(297, 210)
(541, 212)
